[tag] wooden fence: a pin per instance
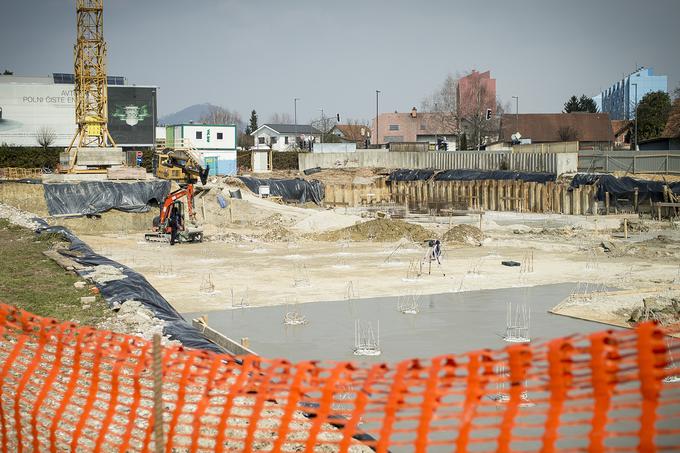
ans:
(488, 195)
(15, 173)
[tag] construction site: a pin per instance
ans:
(375, 301)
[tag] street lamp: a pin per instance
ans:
(377, 124)
(636, 114)
(295, 114)
(516, 98)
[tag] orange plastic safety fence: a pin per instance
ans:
(70, 388)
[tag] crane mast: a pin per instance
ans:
(90, 79)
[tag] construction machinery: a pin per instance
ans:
(190, 169)
(179, 164)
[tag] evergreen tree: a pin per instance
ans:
(572, 105)
(463, 142)
(652, 114)
(587, 104)
(582, 104)
(253, 122)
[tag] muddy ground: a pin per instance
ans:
(258, 252)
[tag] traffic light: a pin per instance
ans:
(488, 114)
(338, 116)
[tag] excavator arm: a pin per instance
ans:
(188, 192)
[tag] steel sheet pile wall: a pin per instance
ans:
(490, 195)
(71, 388)
(557, 163)
(493, 195)
(666, 162)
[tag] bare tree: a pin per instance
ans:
(474, 102)
(45, 136)
(464, 110)
(325, 124)
(220, 115)
(281, 118)
(567, 134)
(445, 102)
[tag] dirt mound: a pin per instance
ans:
(635, 226)
(463, 234)
(381, 230)
(277, 233)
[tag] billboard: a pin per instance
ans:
(28, 109)
(132, 115)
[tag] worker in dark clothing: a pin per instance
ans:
(174, 221)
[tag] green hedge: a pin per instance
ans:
(35, 157)
(29, 157)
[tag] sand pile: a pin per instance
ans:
(277, 233)
(381, 230)
(463, 234)
(663, 309)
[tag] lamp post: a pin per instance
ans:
(377, 124)
(516, 98)
(636, 114)
(295, 115)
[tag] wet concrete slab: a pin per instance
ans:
(445, 324)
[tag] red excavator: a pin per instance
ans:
(173, 209)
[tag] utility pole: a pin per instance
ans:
(323, 126)
(295, 114)
(636, 114)
(377, 124)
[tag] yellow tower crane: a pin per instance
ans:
(90, 82)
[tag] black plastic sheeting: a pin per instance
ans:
(134, 287)
(22, 181)
(624, 187)
(94, 197)
(410, 175)
(500, 175)
(291, 190)
(468, 175)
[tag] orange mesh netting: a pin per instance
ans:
(70, 388)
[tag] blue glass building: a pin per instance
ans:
(619, 100)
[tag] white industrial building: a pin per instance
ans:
(216, 143)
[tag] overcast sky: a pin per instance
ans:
(245, 54)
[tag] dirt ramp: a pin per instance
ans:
(380, 230)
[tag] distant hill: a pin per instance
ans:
(191, 113)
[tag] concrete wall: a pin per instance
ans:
(334, 148)
(558, 163)
(559, 147)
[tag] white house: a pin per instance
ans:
(282, 137)
(216, 143)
